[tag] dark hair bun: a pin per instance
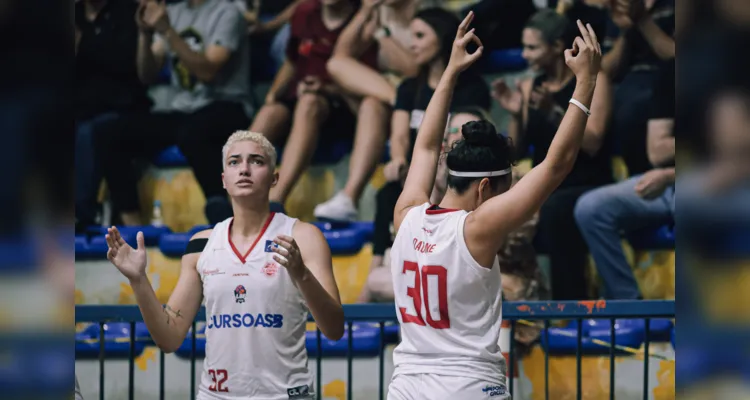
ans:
(479, 133)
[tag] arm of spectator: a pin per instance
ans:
(601, 112)
(276, 22)
(280, 81)
(660, 141)
(356, 37)
(661, 43)
(225, 39)
(400, 140)
(397, 58)
(149, 58)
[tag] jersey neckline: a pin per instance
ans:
(257, 239)
(435, 209)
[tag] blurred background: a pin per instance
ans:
(146, 134)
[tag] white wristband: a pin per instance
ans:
(580, 105)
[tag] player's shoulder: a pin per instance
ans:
(306, 230)
(204, 234)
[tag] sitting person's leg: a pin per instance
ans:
(379, 282)
(361, 80)
(87, 173)
(200, 138)
(272, 120)
(310, 112)
(602, 214)
(369, 142)
(120, 141)
(565, 246)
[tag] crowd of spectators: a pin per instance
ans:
(366, 70)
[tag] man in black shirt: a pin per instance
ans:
(641, 201)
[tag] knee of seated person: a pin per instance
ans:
(336, 66)
(372, 103)
(311, 102)
(588, 207)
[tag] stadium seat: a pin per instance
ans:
(345, 241)
(17, 253)
(505, 60)
(82, 246)
(171, 157)
(659, 328)
(672, 339)
(151, 234)
(116, 340)
(174, 244)
(661, 238)
(564, 340)
(365, 342)
(367, 228)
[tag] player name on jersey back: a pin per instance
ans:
(255, 320)
(448, 305)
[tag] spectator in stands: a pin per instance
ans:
(379, 287)
(303, 93)
(387, 25)
(432, 38)
(203, 43)
(106, 85)
(536, 109)
(642, 201)
(639, 39)
(269, 37)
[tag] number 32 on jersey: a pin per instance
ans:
(419, 292)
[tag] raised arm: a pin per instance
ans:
(501, 215)
(421, 176)
(168, 324)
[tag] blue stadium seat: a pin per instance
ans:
(365, 342)
(564, 340)
(345, 241)
(17, 254)
(170, 157)
(151, 234)
(82, 246)
(662, 238)
(116, 341)
(659, 328)
(174, 244)
(505, 60)
(366, 227)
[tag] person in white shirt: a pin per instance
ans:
(446, 278)
(259, 272)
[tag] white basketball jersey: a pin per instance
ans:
(255, 320)
(449, 306)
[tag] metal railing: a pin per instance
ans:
(516, 312)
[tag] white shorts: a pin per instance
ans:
(443, 387)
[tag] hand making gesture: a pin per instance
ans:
(585, 56)
(461, 59)
(288, 256)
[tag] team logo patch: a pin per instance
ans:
(494, 390)
(299, 391)
(270, 246)
(239, 294)
(270, 269)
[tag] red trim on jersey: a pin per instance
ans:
(252, 246)
(433, 209)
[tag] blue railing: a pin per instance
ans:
(582, 312)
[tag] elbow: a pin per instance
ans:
(335, 329)
(168, 347)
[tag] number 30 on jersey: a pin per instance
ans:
(419, 293)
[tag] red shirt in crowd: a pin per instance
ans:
(311, 44)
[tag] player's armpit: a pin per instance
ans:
(319, 287)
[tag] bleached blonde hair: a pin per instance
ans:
(241, 136)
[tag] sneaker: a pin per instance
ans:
(339, 208)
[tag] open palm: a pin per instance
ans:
(509, 99)
(131, 262)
